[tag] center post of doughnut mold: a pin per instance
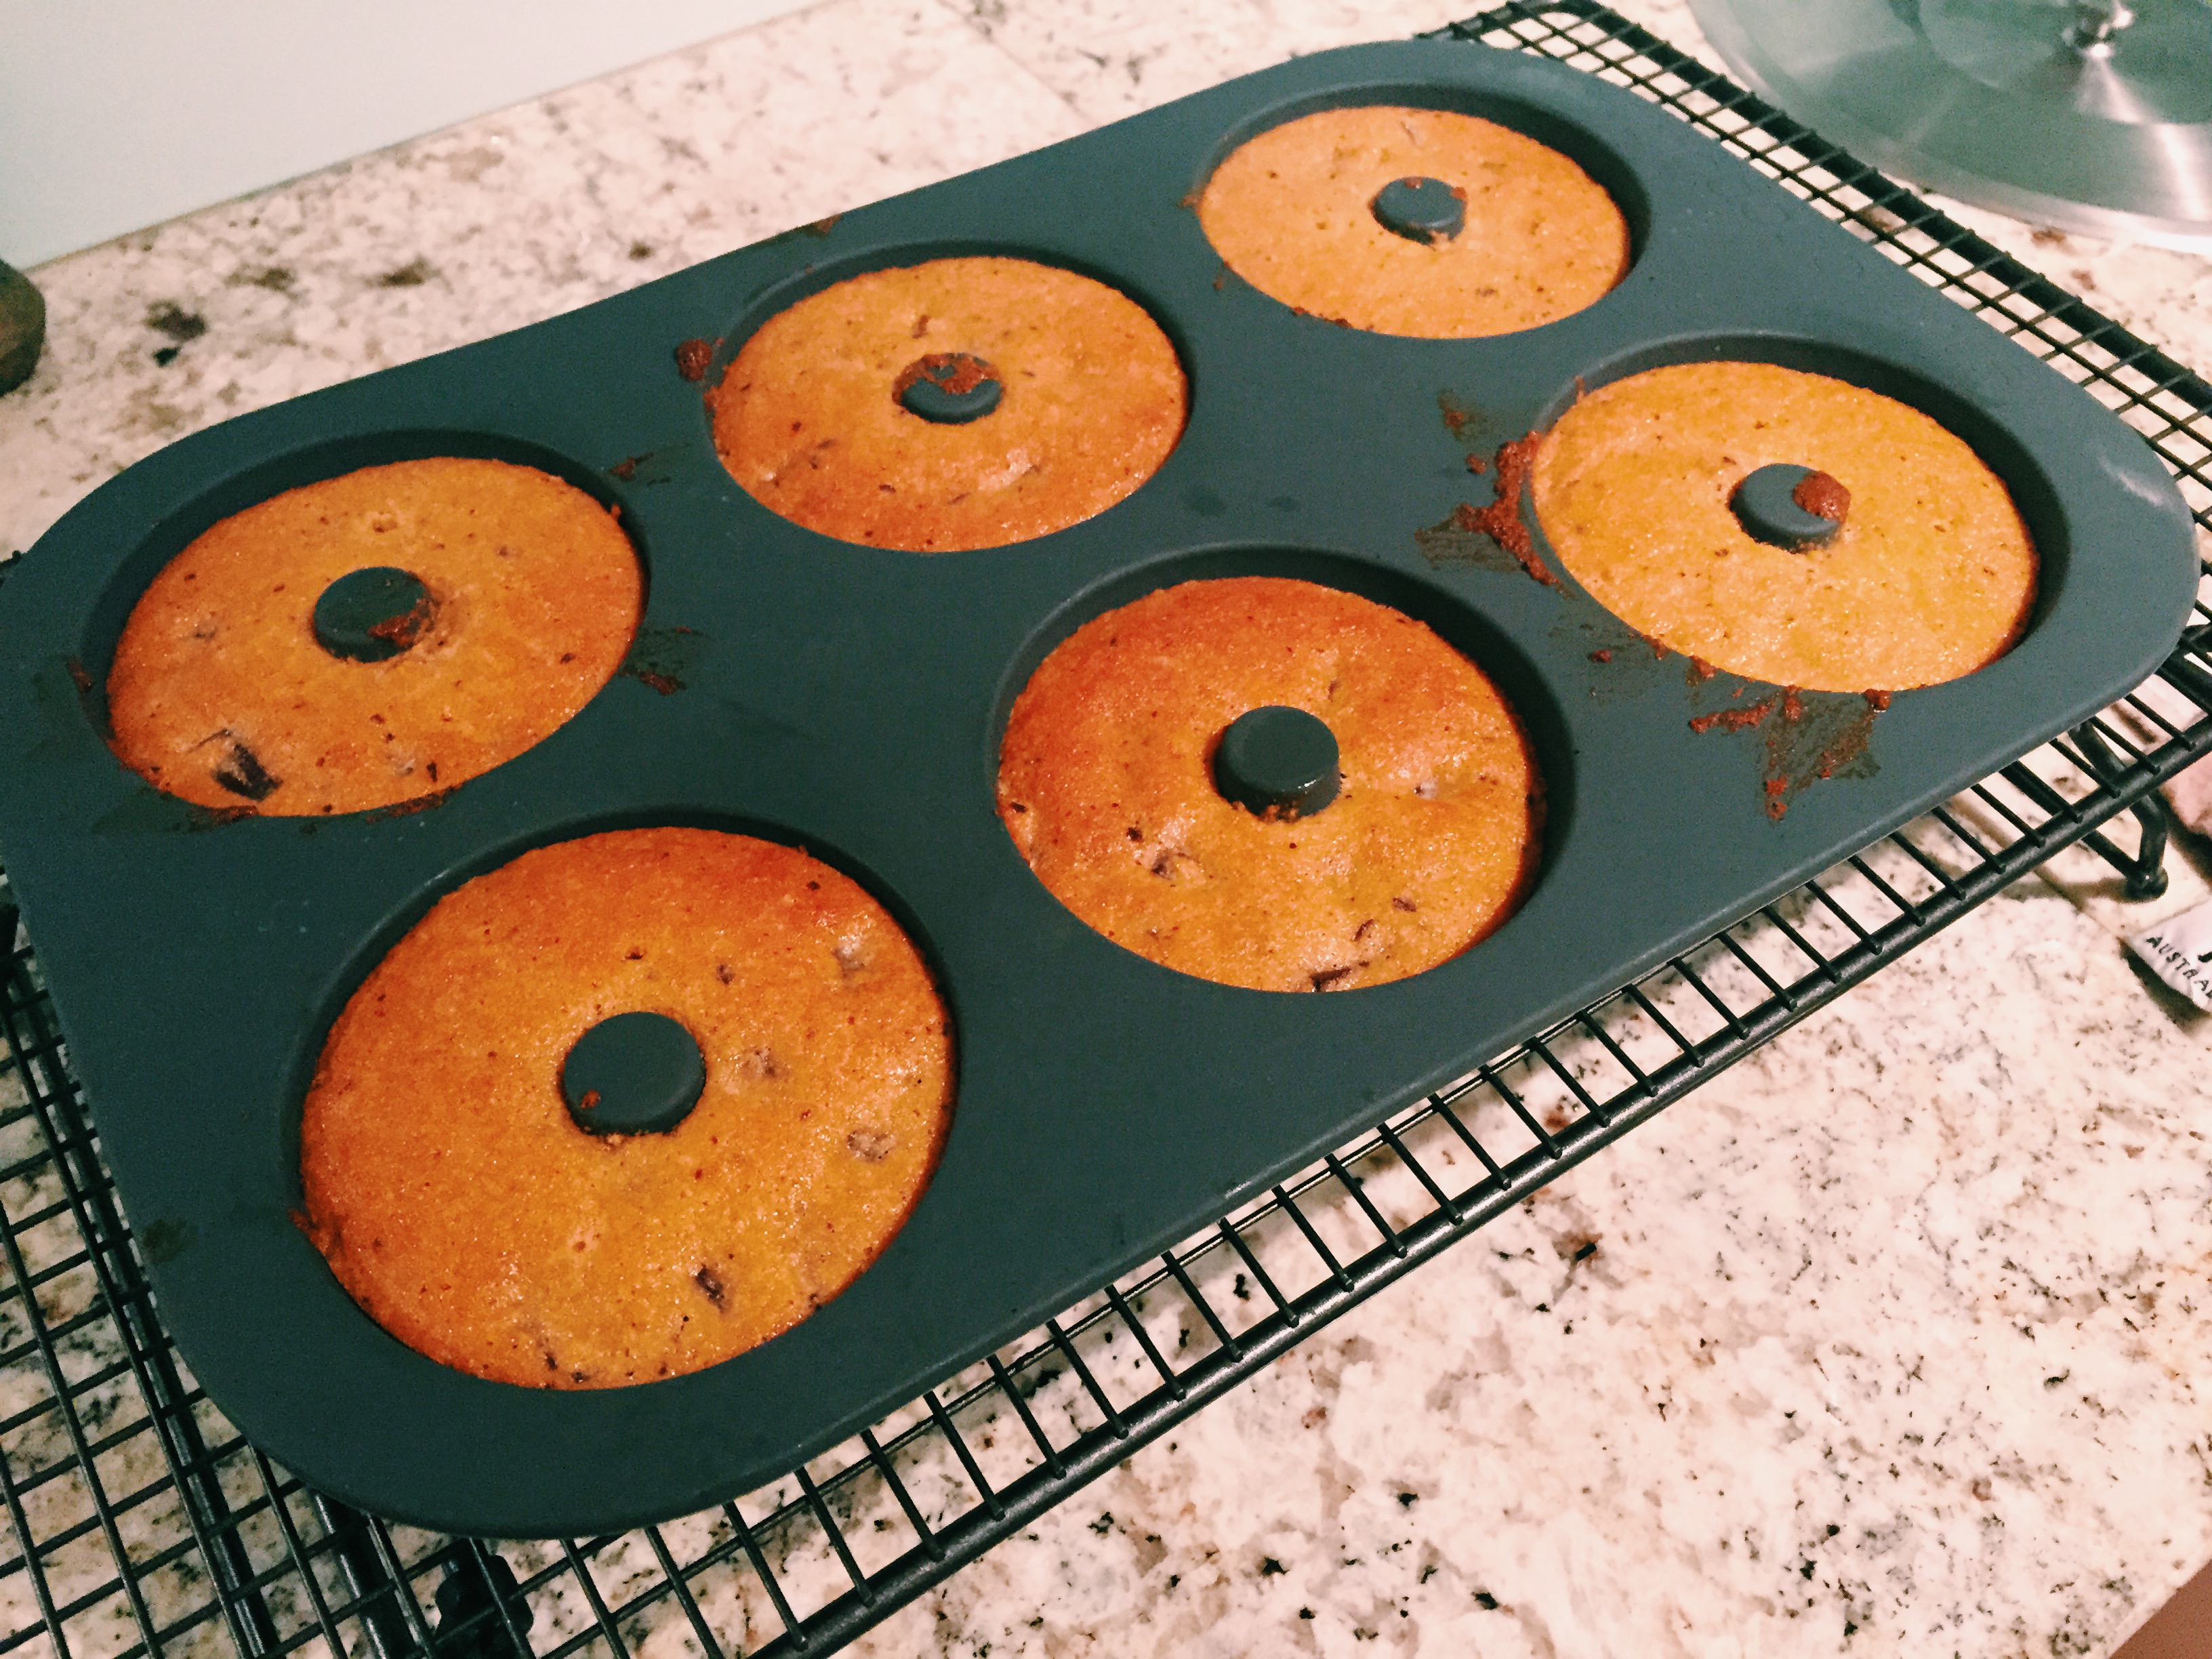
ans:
(1278, 762)
(372, 614)
(949, 388)
(1790, 506)
(1420, 210)
(633, 1074)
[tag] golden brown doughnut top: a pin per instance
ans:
(221, 695)
(1105, 783)
(1292, 212)
(460, 1204)
(809, 416)
(1931, 575)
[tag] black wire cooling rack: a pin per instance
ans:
(143, 1525)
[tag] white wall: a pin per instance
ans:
(116, 114)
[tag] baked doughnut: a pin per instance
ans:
(222, 692)
(1107, 784)
(1298, 212)
(460, 1204)
(816, 415)
(1931, 574)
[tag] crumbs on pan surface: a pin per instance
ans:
(1501, 521)
(692, 357)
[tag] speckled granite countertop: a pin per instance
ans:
(1890, 1341)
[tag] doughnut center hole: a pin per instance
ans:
(1792, 508)
(374, 614)
(1421, 210)
(1277, 762)
(949, 388)
(633, 1074)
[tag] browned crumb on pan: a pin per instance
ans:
(1501, 521)
(1733, 719)
(1823, 496)
(692, 357)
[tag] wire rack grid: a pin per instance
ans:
(143, 1527)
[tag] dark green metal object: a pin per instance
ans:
(23, 328)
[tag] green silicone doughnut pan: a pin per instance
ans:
(850, 700)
